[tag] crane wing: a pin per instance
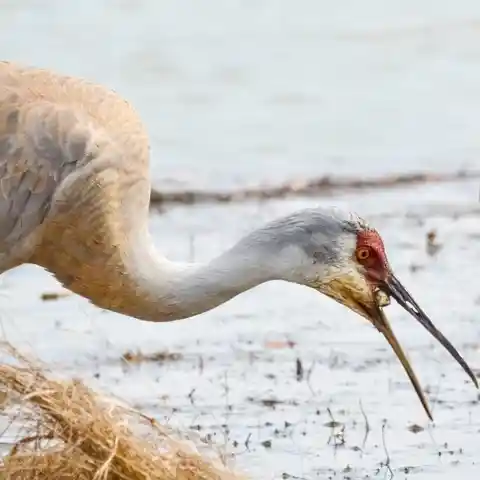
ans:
(40, 144)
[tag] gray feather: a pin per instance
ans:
(316, 231)
(36, 155)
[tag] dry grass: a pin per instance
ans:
(64, 430)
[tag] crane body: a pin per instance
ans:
(74, 183)
(74, 199)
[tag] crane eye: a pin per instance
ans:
(363, 253)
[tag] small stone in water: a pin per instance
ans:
(415, 428)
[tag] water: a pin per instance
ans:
(244, 92)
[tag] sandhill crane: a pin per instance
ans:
(74, 199)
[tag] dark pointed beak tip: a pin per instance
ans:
(393, 287)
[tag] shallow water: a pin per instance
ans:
(258, 92)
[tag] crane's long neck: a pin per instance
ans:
(167, 291)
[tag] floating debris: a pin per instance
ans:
(432, 246)
(267, 444)
(270, 402)
(415, 428)
(139, 357)
(315, 187)
(49, 296)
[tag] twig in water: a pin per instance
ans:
(387, 455)
(367, 425)
(201, 364)
(298, 370)
(228, 408)
(308, 377)
(190, 396)
(338, 438)
(247, 442)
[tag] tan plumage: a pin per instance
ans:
(73, 177)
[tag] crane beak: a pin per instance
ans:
(392, 287)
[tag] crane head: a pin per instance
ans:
(344, 258)
(366, 286)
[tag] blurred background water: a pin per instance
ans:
(246, 92)
(242, 91)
